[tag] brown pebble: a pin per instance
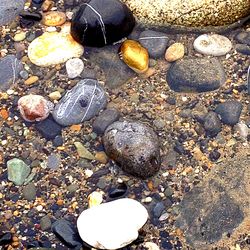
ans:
(47, 5)
(101, 157)
(31, 80)
(54, 18)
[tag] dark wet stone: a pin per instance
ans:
(58, 141)
(118, 191)
(9, 9)
(106, 118)
(214, 155)
(101, 22)
(133, 145)
(243, 49)
(67, 233)
(28, 19)
(214, 207)
(54, 161)
(248, 83)
(81, 103)
(48, 128)
(10, 67)
(212, 124)
(155, 42)
(243, 37)
(5, 238)
(158, 209)
(45, 223)
(196, 75)
(29, 192)
(229, 111)
(116, 71)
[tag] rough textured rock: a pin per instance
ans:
(155, 42)
(10, 67)
(196, 75)
(229, 111)
(9, 9)
(214, 208)
(189, 12)
(212, 44)
(97, 22)
(134, 146)
(243, 37)
(74, 67)
(212, 123)
(112, 225)
(81, 103)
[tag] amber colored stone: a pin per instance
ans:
(54, 18)
(134, 55)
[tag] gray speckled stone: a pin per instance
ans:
(10, 68)
(81, 103)
(155, 42)
(9, 9)
(133, 145)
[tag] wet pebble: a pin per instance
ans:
(155, 42)
(54, 18)
(53, 161)
(133, 145)
(243, 37)
(229, 111)
(74, 67)
(29, 192)
(175, 52)
(106, 118)
(118, 191)
(5, 238)
(45, 223)
(212, 123)
(243, 49)
(81, 103)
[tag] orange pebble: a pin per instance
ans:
(60, 202)
(75, 127)
(4, 114)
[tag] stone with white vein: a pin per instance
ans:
(112, 225)
(74, 67)
(81, 103)
(212, 44)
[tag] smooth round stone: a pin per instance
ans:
(155, 42)
(81, 103)
(175, 52)
(53, 48)
(243, 49)
(229, 111)
(212, 44)
(212, 123)
(34, 107)
(101, 22)
(196, 75)
(54, 18)
(19, 37)
(135, 56)
(112, 225)
(10, 67)
(188, 12)
(74, 67)
(133, 145)
(9, 9)
(243, 37)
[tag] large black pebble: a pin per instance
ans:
(118, 191)
(100, 22)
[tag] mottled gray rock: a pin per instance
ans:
(9, 9)
(229, 111)
(214, 208)
(155, 42)
(133, 145)
(81, 103)
(53, 161)
(243, 49)
(116, 71)
(10, 68)
(45, 223)
(212, 123)
(243, 37)
(29, 192)
(196, 75)
(106, 118)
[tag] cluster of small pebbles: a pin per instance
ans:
(107, 129)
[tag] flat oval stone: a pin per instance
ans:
(175, 52)
(188, 12)
(155, 42)
(34, 107)
(52, 48)
(195, 75)
(133, 145)
(81, 103)
(112, 225)
(134, 55)
(212, 44)
(101, 22)
(54, 18)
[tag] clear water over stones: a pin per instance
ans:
(98, 22)
(81, 103)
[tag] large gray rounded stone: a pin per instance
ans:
(134, 146)
(196, 75)
(10, 68)
(189, 12)
(81, 103)
(9, 9)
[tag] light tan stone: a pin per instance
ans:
(54, 18)
(175, 52)
(189, 12)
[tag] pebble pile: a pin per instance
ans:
(117, 136)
